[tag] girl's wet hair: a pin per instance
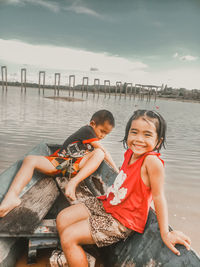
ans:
(157, 119)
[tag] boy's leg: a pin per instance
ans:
(22, 178)
(94, 158)
(88, 165)
(72, 238)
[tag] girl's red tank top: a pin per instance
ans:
(129, 199)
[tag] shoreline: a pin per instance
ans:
(179, 99)
(146, 97)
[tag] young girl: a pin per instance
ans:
(124, 209)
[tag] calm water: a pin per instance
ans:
(27, 119)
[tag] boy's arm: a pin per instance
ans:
(108, 158)
(156, 175)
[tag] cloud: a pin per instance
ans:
(79, 8)
(12, 2)
(185, 58)
(181, 78)
(52, 5)
(188, 58)
(45, 56)
(175, 55)
(79, 62)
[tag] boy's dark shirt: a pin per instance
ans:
(84, 135)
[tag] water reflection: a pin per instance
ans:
(27, 119)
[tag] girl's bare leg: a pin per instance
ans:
(71, 215)
(88, 165)
(72, 238)
(22, 178)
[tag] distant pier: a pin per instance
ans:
(119, 89)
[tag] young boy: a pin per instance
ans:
(80, 155)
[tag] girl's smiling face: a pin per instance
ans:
(142, 136)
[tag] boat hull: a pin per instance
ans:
(10, 247)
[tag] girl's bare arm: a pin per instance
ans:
(156, 175)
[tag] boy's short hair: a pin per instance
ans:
(103, 115)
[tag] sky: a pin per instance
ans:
(138, 41)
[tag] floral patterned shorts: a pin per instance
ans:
(65, 165)
(105, 229)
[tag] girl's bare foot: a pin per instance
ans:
(10, 202)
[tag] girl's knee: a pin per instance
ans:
(58, 221)
(60, 218)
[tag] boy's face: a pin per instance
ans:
(101, 130)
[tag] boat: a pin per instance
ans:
(15, 224)
(42, 198)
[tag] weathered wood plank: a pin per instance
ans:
(81, 191)
(35, 204)
(47, 228)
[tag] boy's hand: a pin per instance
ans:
(70, 190)
(176, 237)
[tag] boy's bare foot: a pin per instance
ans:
(70, 190)
(9, 203)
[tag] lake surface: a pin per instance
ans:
(27, 119)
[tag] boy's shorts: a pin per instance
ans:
(104, 229)
(64, 165)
